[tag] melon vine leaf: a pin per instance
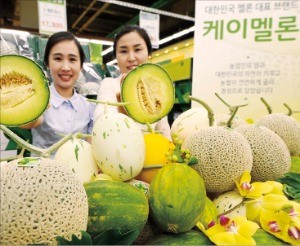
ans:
(84, 240)
(193, 161)
(291, 184)
(115, 237)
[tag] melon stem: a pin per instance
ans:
(267, 105)
(290, 111)
(235, 109)
(18, 156)
(210, 113)
(33, 149)
(231, 108)
(109, 103)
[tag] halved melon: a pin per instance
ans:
(150, 91)
(24, 90)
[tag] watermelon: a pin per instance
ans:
(191, 237)
(115, 205)
(176, 198)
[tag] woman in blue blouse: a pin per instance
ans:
(68, 111)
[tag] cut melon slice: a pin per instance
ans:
(24, 90)
(150, 91)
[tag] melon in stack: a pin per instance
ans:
(40, 202)
(286, 127)
(271, 157)
(223, 155)
(189, 121)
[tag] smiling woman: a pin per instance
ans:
(132, 47)
(68, 111)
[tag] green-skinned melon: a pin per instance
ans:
(150, 91)
(24, 89)
(115, 205)
(191, 237)
(176, 198)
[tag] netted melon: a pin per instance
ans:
(285, 127)
(24, 90)
(223, 155)
(150, 91)
(271, 157)
(40, 202)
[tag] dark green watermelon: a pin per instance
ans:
(192, 237)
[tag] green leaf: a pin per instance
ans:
(115, 237)
(84, 240)
(291, 179)
(193, 161)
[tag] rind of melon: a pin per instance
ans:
(271, 157)
(286, 127)
(39, 203)
(223, 156)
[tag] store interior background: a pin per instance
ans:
(95, 20)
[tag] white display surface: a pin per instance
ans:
(245, 50)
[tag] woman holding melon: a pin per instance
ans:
(132, 47)
(68, 111)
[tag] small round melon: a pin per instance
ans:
(223, 156)
(150, 91)
(271, 156)
(118, 146)
(189, 121)
(78, 155)
(40, 202)
(24, 93)
(285, 127)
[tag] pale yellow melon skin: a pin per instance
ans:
(223, 155)
(286, 127)
(271, 156)
(39, 203)
(78, 155)
(189, 121)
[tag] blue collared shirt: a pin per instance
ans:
(64, 116)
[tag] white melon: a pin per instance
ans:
(118, 146)
(189, 121)
(78, 155)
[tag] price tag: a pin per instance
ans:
(52, 16)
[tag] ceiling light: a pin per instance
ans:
(177, 35)
(16, 32)
(110, 49)
(112, 62)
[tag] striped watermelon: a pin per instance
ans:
(115, 205)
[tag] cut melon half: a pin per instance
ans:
(150, 91)
(24, 90)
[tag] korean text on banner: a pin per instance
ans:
(246, 50)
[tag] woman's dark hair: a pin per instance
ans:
(133, 28)
(59, 37)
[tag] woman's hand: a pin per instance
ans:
(33, 124)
